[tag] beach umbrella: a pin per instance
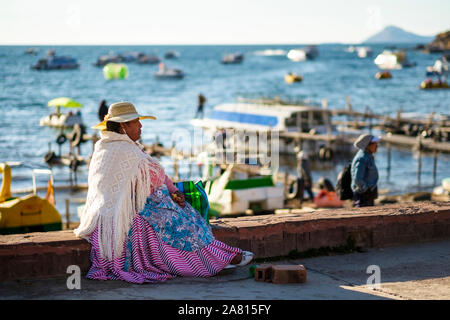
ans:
(64, 102)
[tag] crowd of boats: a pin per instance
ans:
(115, 65)
(391, 59)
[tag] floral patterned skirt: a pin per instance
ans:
(164, 241)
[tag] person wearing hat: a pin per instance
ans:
(140, 227)
(364, 172)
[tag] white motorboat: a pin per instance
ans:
(297, 55)
(257, 118)
(168, 73)
(364, 52)
(388, 60)
(441, 67)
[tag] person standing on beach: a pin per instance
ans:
(364, 172)
(201, 102)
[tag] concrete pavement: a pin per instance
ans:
(417, 271)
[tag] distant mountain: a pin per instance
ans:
(392, 34)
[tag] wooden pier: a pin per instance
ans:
(426, 133)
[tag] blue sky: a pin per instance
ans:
(214, 22)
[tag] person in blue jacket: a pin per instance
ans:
(364, 171)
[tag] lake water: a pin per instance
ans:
(334, 75)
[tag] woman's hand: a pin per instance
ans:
(178, 197)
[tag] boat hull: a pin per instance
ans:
(28, 214)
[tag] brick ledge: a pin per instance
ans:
(37, 255)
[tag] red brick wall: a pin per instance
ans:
(49, 254)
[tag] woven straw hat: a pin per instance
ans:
(121, 112)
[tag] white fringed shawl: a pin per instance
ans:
(119, 184)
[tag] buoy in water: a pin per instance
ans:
(115, 71)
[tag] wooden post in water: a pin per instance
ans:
(70, 177)
(68, 213)
(435, 154)
(419, 166)
(348, 107)
(369, 113)
(398, 118)
(285, 182)
(388, 146)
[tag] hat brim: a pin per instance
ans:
(375, 139)
(102, 125)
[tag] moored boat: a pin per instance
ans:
(233, 58)
(58, 119)
(168, 73)
(308, 53)
(32, 51)
(29, 213)
(364, 52)
(172, 54)
(236, 192)
(148, 59)
(388, 60)
(104, 60)
(297, 55)
(52, 62)
(253, 119)
(383, 75)
(292, 77)
(430, 84)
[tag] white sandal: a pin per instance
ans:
(247, 256)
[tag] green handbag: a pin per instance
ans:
(195, 194)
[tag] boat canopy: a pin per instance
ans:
(260, 117)
(254, 119)
(64, 102)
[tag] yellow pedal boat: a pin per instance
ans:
(292, 77)
(29, 213)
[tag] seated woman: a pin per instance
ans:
(140, 227)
